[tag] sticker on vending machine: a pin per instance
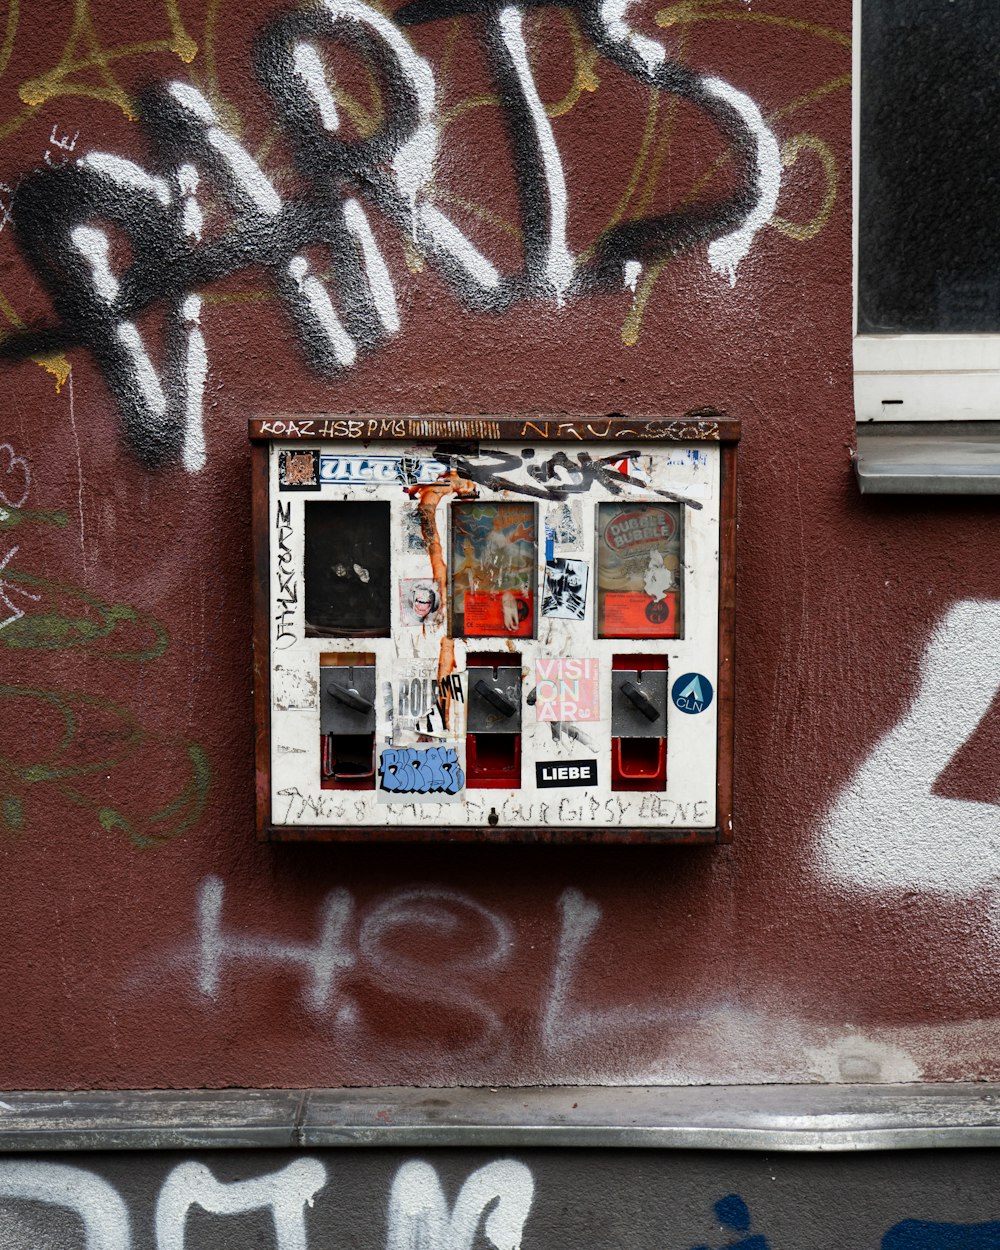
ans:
(565, 592)
(567, 690)
(494, 553)
(419, 601)
(494, 616)
(298, 470)
(639, 586)
(425, 705)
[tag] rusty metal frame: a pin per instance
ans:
(703, 425)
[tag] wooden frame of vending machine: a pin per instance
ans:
(494, 628)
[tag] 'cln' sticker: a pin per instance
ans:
(691, 693)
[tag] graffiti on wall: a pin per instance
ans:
(496, 1197)
(492, 1206)
(88, 738)
(74, 216)
(362, 945)
(894, 826)
(351, 968)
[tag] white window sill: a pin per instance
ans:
(927, 377)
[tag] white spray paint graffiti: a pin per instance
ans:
(324, 962)
(887, 830)
(564, 1024)
(100, 1207)
(62, 212)
(15, 487)
(287, 1193)
(373, 945)
(419, 1218)
(583, 1204)
(497, 1196)
(559, 263)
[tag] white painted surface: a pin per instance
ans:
(855, 1058)
(317, 300)
(93, 246)
(287, 1193)
(380, 286)
(612, 15)
(447, 236)
(419, 1218)
(559, 264)
(725, 254)
(193, 454)
(887, 831)
(100, 1207)
(495, 1198)
(938, 377)
(142, 370)
(248, 177)
(193, 100)
(310, 69)
(127, 173)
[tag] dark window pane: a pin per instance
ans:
(347, 570)
(929, 225)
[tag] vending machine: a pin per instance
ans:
(494, 628)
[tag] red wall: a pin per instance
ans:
(149, 941)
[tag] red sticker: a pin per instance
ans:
(633, 615)
(506, 615)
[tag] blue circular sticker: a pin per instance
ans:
(691, 693)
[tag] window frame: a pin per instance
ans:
(914, 377)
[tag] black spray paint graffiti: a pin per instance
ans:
(288, 587)
(558, 475)
(61, 214)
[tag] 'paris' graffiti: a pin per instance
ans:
(72, 221)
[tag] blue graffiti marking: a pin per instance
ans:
(733, 1213)
(931, 1235)
(435, 770)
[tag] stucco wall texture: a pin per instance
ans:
(156, 181)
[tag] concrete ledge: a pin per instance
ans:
(765, 1118)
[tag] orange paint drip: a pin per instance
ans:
(428, 497)
(446, 664)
